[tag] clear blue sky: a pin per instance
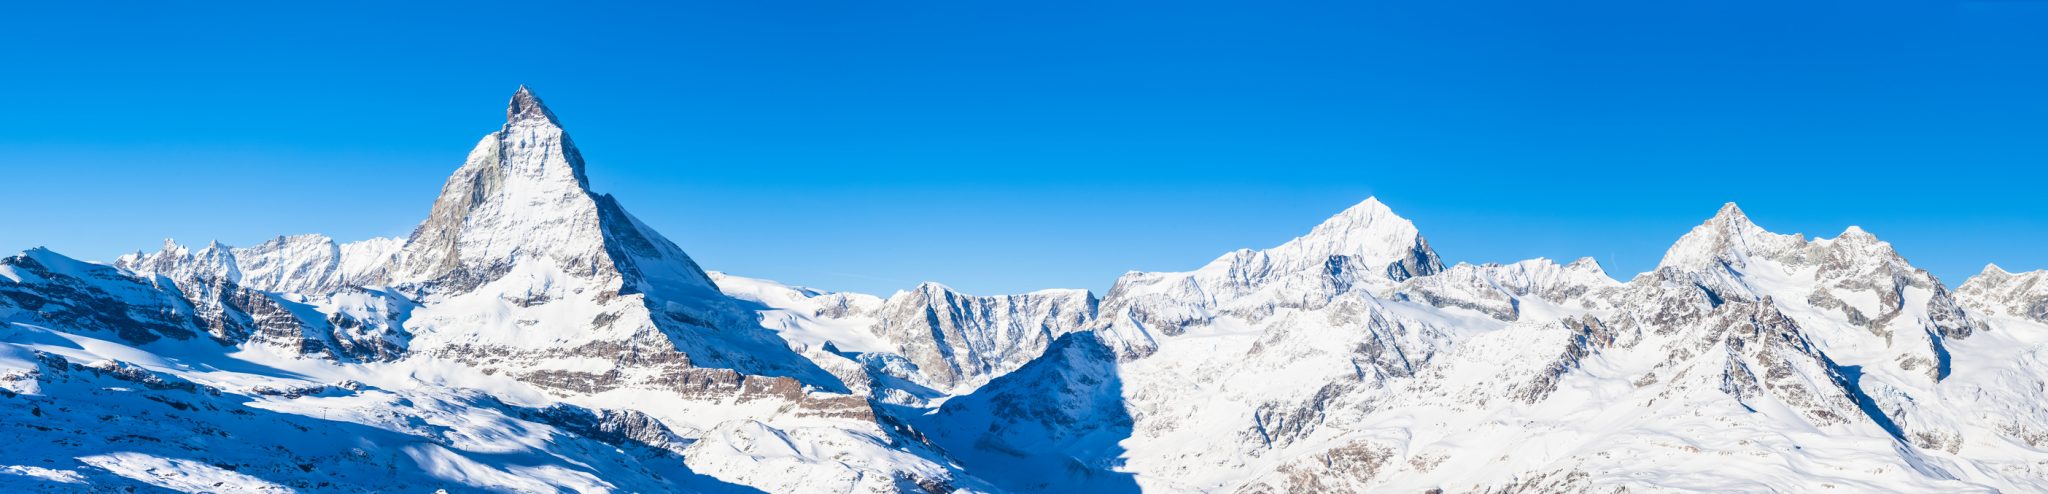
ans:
(1009, 146)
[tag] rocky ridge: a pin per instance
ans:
(532, 335)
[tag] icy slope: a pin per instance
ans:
(1806, 364)
(522, 287)
(531, 336)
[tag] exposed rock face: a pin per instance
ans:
(1854, 284)
(1996, 292)
(918, 345)
(1491, 377)
(366, 324)
(48, 288)
(533, 336)
(303, 264)
(522, 275)
(959, 341)
(522, 197)
(316, 265)
(331, 320)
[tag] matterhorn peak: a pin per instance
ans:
(522, 197)
(525, 107)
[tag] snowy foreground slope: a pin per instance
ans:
(532, 336)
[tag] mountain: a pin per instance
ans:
(1795, 360)
(532, 330)
(532, 335)
(1997, 293)
(921, 344)
(1364, 249)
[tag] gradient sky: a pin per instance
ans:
(1010, 146)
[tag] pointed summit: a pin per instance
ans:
(1731, 216)
(1365, 215)
(1369, 234)
(1368, 230)
(527, 107)
(1729, 210)
(522, 199)
(1728, 237)
(1993, 269)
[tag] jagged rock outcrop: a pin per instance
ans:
(49, 289)
(1996, 292)
(302, 264)
(522, 196)
(331, 320)
(525, 281)
(959, 341)
(316, 265)
(530, 335)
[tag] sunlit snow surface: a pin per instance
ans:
(532, 336)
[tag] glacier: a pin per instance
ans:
(532, 335)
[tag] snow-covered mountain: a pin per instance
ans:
(527, 317)
(1748, 361)
(1997, 293)
(532, 335)
(919, 345)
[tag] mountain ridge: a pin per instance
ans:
(531, 334)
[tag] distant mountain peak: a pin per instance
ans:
(1993, 269)
(1729, 236)
(1731, 212)
(1363, 217)
(1369, 231)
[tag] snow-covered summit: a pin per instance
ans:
(308, 264)
(1365, 248)
(1997, 292)
(1368, 233)
(532, 336)
(527, 107)
(522, 197)
(1728, 237)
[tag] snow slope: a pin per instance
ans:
(531, 335)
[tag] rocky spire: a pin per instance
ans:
(527, 107)
(522, 197)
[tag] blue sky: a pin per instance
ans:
(1010, 146)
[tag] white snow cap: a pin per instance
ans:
(1729, 235)
(1369, 231)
